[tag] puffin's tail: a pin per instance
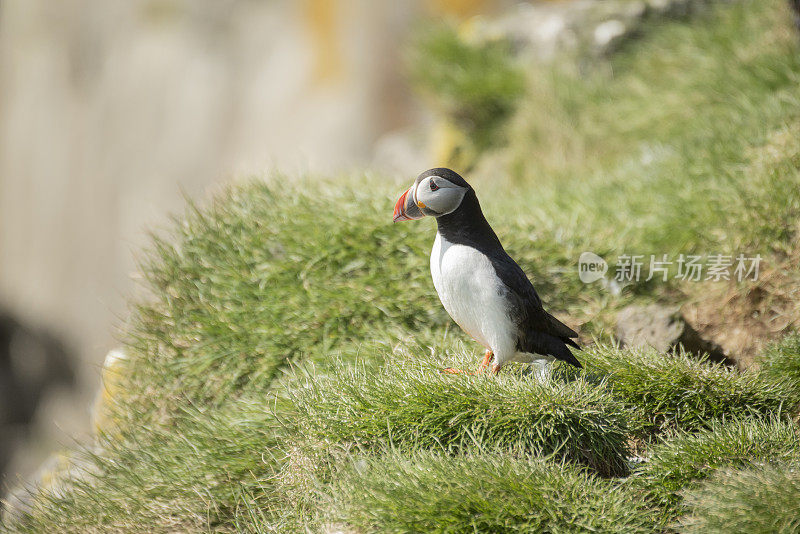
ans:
(566, 355)
(547, 344)
(571, 342)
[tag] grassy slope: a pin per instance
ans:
(215, 432)
(668, 134)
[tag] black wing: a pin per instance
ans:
(539, 332)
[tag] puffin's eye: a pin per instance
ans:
(434, 187)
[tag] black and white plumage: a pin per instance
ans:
(480, 285)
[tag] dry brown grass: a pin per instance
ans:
(742, 317)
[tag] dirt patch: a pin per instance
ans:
(742, 316)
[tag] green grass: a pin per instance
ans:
(781, 362)
(480, 93)
(683, 391)
(758, 500)
(251, 283)
(490, 492)
(410, 402)
(283, 370)
(188, 476)
(678, 463)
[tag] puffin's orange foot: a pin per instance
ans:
(487, 359)
(451, 371)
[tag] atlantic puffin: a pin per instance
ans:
(485, 292)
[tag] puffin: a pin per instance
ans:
(482, 288)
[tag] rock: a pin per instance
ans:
(663, 328)
(112, 383)
(536, 31)
(607, 32)
(338, 528)
(795, 5)
(542, 31)
(659, 6)
(635, 10)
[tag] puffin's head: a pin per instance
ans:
(435, 192)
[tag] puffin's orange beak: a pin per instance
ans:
(405, 209)
(400, 209)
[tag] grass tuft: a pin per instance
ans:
(682, 460)
(681, 391)
(411, 403)
(186, 477)
(491, 492)
(781, 362)
(251, 282)
(759, 500)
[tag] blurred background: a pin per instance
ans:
(113, 111)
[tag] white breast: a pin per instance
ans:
(472, 294)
